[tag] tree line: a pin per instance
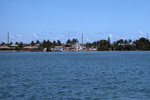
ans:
(101, 45)
(120, 45)
(41, 45)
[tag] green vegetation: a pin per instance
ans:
(101, 45)
(73, 41)
(120, 45)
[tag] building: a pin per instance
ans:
(67, 47)
(14, 46)
(30, 47)
(72, 47)
(4, 48)
(58, 48)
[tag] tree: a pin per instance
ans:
(142, 44)
(103, 43)
(11, 43)
(94, 44)
(44, 44)
(48, 44)
(103, 48)
(126, 41)
(121, 41)
(58, 42)
(74, 41)
(114, 43)
(3, 43)
(88, 45)
(21, 45)
(98, 43)
(128, 47)
(130, 40)
(16, 43)
(37, 42)
(108, 41)
(68, 41)
(32, 43)
(54, 43)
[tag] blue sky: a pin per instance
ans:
(28, 20)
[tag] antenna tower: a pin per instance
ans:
(82, 38)
(8, 38)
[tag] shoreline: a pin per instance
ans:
(53, 51)
(21, 50)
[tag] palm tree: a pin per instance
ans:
(11, 43)
(74, 41)
(3, 43)
(58, 42)
(21, 45)
(130, 40)
(114, 43)
(32, 43)
(121, 41)
(44, 43)
(95, 44)
(37, 42)
(16, 43)
(48, 43)
(126, 41)
(54, 43)
(68, 41)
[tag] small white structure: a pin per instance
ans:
(72, 47)
(58, 48)
(14, 45)
(44, 49)
(92, 49)
(77, 47)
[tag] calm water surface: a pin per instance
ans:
(75, 75)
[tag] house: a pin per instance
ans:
(72, 47)
(67, 47)
(58, 48)
(4, 48)
(30, 47)
(14, 46)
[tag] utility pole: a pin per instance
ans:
(147, 37)
(8, 38)
(108, 41)
(82, 38)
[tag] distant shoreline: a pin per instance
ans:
(51, 51)
(21, 50)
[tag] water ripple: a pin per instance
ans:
(75, 76)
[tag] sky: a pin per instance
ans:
(31, 20)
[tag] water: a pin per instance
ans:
(75, 75)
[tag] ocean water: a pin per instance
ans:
(110, 75)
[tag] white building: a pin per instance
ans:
(58, 48)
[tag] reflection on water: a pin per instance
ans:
(75, 75)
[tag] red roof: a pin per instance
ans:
(30, 47)
(4, 47)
